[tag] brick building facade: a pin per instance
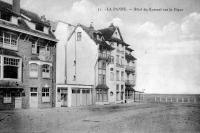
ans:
(27, 59)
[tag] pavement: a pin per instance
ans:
(119, 118)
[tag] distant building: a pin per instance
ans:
(27, 59)
(95, 66)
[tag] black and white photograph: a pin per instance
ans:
(99, 66)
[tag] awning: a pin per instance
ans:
(4, 51)
(102, 86)
(10, 84)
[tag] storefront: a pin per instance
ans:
(73, 95)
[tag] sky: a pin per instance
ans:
(166, 43)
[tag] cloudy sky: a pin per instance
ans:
(166, 43)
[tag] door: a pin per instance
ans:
(64, 99)
(33, 98)
(76, 97)
(18, 100)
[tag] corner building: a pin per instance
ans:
(27, 59)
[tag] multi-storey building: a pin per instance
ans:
(122, 68)
(27, 58)
(86, 58)
(95, 62)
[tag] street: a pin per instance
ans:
(119, 118)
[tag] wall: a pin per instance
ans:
(85, 53)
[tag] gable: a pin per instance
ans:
(116, 34)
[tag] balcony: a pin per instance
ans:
(130, 69)
(104, 56)
(130, 82)
(120, 51)
(119, 65)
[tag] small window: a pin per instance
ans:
(39, 27)
(78, 36)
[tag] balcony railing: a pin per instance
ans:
(130, 69)
(130, 82)
(104, 56)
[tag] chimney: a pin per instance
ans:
(16, 6)
(91, 25)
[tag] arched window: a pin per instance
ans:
(33, 70)
(46, 71)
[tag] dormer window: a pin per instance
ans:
(39, 27)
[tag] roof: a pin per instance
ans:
(108, 32)
(91, 31)
(102, 86)
(22, 26)
(33, 16)
(8, 52)
(129, 49)
(130, 88)
(130, 57)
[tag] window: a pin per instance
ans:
(11, 68)
(102, 79)
(9, 40)
(122, 76)
(33, 91)
(33, 70)
(7, 97)
(101, 95)
(34, 48)
(39, 27)
(102, 64)
(45, 94)
(117, 59)
(117, 92)
(117, 75)
(112, 59)
(111, 76)
(78, 36)
(122, 60)
(45, 71)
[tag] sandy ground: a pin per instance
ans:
(121, 118)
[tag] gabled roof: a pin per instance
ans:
(108, 33)
(91, 31)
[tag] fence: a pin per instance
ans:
(173, 98)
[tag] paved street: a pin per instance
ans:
(121, 118)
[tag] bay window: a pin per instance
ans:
(11, 68)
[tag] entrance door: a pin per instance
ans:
(18, 100)
(33, 98)
(63, 99)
